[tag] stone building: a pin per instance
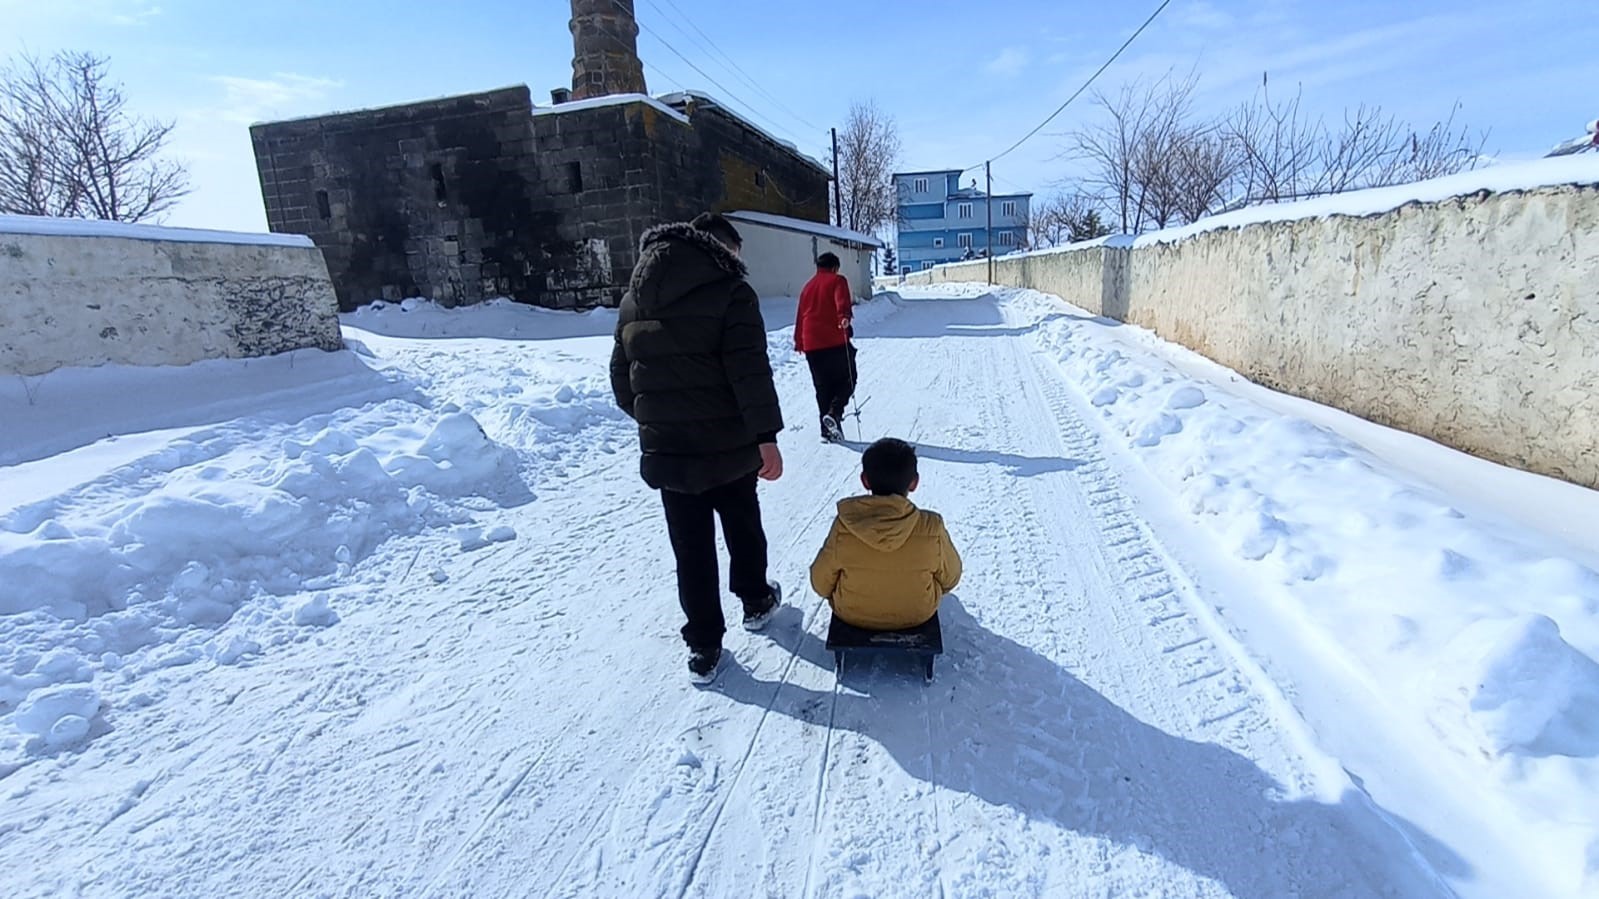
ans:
(483, 195)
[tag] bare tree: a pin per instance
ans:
(1111, 147)
(1151, 161)
(1064, 219)
(1285, 155)
(69, 147)
(868, 153)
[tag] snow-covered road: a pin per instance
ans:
(511, 717)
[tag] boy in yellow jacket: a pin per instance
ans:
(886, 564)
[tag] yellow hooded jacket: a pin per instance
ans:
(886, 564)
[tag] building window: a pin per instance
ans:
(439, 193)
(928, 264)
(919, 185)
(574, 176)
(760, 178)
(938, 243)
(322, 207)
(1008, 208)
(1007, 239)
(965, 210)
(964, 240)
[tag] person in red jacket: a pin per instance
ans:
(822, 332)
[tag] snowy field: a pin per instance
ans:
(401, 621)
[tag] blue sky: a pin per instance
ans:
(963, 80)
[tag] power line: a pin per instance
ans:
(706, 75)
(738, 70)
(1078, 93)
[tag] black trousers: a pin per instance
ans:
(833, 375)
(691, 522)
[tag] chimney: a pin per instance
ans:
(605, 57)
(560, 95)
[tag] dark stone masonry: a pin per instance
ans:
(478, 196)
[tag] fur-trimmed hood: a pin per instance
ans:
(676, 259)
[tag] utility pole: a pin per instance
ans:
(838, 189)
(988, 202)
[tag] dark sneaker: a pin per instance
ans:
(703, 663)
(830, 430)
(754, 621)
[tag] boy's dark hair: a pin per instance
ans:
(889, 466)
(715, 224)
(827, 261)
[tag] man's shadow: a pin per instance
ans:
(1014, 729)
(1016, 465)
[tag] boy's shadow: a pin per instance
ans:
(1013, 728)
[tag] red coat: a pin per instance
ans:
(824, 306)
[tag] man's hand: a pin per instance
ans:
(771, 462)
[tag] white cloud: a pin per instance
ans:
(1009, 62)
(249, 100)
(131, 13)
(1201, 15)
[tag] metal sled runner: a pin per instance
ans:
(924, 641)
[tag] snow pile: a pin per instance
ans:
(60, 716)
(504, 318)
(1521, 688)
(202, 549)
(1484, 629)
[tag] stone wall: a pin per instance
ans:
(1473, 321)
(599, 165)
(441, 199)
(727, 166)
(127, 295)
(478, 196)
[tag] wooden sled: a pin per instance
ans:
(925, 641)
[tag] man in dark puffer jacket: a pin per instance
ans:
(690, 367)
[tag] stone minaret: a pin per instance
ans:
(605, 47)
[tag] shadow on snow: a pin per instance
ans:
(1014, 729)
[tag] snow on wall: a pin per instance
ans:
(75, 295)
(1469, 320)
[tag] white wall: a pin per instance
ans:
(1473, 321)
(781, 261)
(86, 297)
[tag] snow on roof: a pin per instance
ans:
(610, 100)
(388, 107)
(64, 227)
(1494, 179)
(972, 193)
(842, 235)
(685, 96)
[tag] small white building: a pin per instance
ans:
(781, 252)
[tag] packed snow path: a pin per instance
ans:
(526, 728)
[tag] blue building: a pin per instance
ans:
(940, 221)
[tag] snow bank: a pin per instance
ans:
(213, 543)
(422, 318)
(134, 571)
(1485, 630)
